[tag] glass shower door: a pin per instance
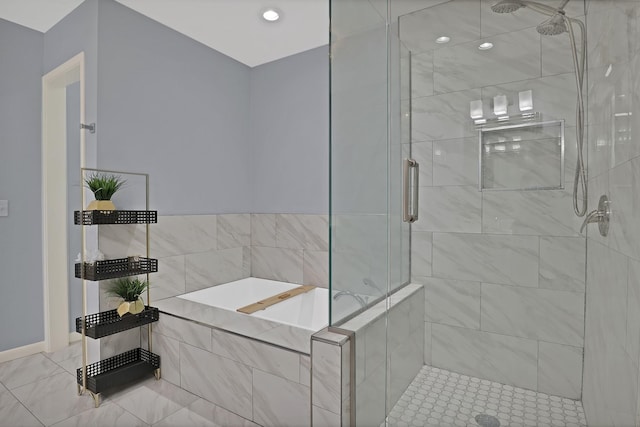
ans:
(370, 140)
(360, 158)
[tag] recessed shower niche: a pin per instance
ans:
(522, 156)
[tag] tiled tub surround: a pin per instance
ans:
(503, 271)
(256, 368)
(331, 378)
(267, 384)
(199, 251)
(257, 340)
(384, 339)
(612, 337)
(290, 248)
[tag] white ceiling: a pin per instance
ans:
(233, 27)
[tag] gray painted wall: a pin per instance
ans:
(21, 299)
(215, 135)
(290, 134)
(175, 109)
(78, 32)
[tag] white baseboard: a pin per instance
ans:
(28, 350)
(18, 352)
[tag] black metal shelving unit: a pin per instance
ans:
(121, 369)
(114, 217)
(114, 268)
(106, 323)
(136, 363)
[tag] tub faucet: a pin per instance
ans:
(370, 283)
(357, 297)
(600, 216)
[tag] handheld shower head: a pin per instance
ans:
(553, 26)
(507, 6)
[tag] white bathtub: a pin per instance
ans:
(308, 311)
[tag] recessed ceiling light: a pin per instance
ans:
(485, 46)
(271, 15)
(443, 39)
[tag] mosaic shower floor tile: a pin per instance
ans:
(438, 397)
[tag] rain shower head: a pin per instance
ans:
(507, 6)
(553, 26)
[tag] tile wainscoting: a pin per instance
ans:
(267, 384)
(198, 251)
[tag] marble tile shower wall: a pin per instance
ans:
(291, 248)
(193, 251)
(503, 270)
(612, 333)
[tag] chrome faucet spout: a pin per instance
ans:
(370, 283)
(357, 297)
(600, 216)
(593, 216)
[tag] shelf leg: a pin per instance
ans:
(80, 389)
(96, 398)
(157, 373)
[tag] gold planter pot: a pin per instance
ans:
(133, 307)
(101, 205)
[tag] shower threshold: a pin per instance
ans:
(438, 397)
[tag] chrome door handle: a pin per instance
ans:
(410, 198)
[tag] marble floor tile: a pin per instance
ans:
(73, 350)
(427, 402)
(204, 414)
(108, 414)
(185, 417)
(155, 400)
(18, 372)
(13, 413)
(71, 365)
(61, 402)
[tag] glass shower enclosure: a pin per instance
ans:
(370, 137)
(374, 195)
(456, 128)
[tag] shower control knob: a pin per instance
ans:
(600, 215)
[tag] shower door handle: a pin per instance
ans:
(410, 198)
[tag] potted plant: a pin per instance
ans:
(103, 186)
(129, 290)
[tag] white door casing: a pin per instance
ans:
(54, 197)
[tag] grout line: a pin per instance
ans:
(25, 406)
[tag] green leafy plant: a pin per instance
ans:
(103, 185)
(128, 289)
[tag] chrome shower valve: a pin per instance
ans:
(600, 215)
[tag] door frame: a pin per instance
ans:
(55, 259)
